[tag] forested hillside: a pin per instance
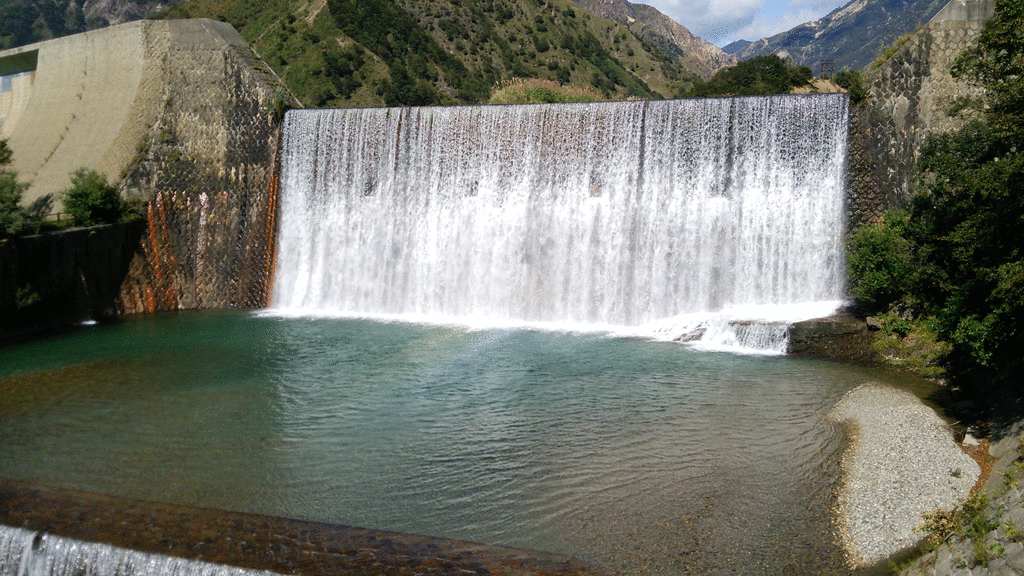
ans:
(413, 52)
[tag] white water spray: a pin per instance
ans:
(654, 216)
(27, 553)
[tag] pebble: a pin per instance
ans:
(902, 462)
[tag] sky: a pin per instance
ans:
(723, 21)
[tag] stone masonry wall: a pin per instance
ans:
(909, 97)
(185, 117)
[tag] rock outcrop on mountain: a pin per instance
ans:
(647, 22)
(851, 36)
(27, 21)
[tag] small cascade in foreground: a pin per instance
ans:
(668, 218)
(27, 553)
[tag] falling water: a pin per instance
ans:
(26, 553)
(684, 219)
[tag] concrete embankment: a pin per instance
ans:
(80, 280)
(186, 117)
(262, 542)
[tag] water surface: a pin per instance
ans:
(643, 456)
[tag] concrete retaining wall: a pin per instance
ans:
(64, 278)
(183, 115)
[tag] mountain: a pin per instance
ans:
(852, 36)
(736, 46)
(665, 33)
(27, 21)
(349, 53)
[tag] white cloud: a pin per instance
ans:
(712, 20)
(722, 21)
(763, 27)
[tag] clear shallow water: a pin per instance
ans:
(642, 456)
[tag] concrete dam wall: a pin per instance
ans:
(185, 116)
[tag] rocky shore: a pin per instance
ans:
(996, 546)
(902, 462)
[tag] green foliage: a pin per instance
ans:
(880, 261)
(957, 256)
(386, 52)
(970, 519)
(25, 297)
(27, 21)
(853, 82)
(910, 345)
(891, 50)
(5, 153)
(758, 76)
(91, 201)
(996, 61)
(12, 218)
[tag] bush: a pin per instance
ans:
(880, 262)
(12, 217)
(910, 345)
(853, 83)
(758, 76)
(91, 201)
(532, 91)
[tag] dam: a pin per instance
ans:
(667, 215)
(467, 328)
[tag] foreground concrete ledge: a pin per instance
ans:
(262, 542)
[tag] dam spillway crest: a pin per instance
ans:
(653, 215)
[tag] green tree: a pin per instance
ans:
(91, 200)
(853, 83)
(12, 217)
(758, 76)
(880, 260)
(5, 153)
(964, 232)
(996, 61)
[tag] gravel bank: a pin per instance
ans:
(902, 462)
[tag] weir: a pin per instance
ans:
(27, 553)
(682, 219)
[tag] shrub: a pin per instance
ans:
(911, 345)
(758, 76)
(12, 217)
(880, 262)
(533, 91)
(5, 153)
(853, 83)
(91, 200)
(890, 50)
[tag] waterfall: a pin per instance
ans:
(677, 218)
(26, 553)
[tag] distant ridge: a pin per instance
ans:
(851, 36)
(665, 33)
(28, 21)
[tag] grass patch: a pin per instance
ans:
(911, 345)
(538, 91)
(892, 49)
